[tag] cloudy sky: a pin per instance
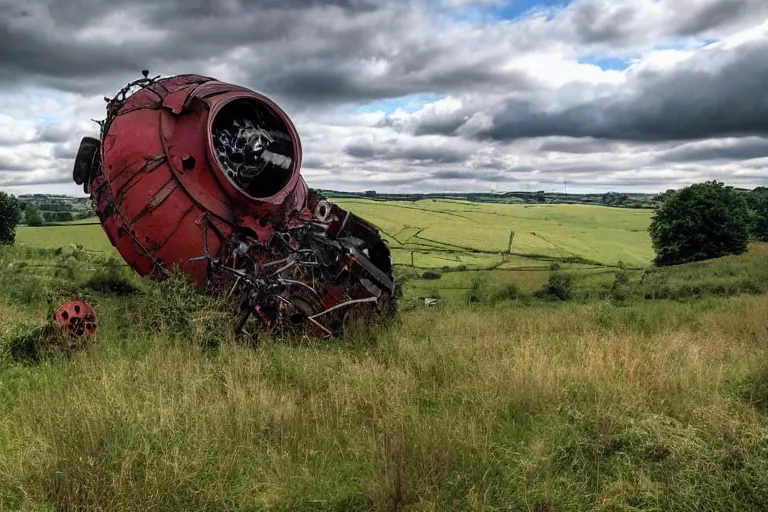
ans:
(428, 95)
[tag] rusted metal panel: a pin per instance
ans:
(202, 174)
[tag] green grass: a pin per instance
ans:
(594, 233)
(645, 390)
(90, 236)
(436, 234)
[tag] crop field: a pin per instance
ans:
(438, 234)
(581, 386)
(435, 234)
(510, 243)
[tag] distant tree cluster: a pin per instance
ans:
(10, 215)
(55, 207)
(32, 216)
(703, 221)
(614, 199)
(57, 216)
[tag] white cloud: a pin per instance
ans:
(490, 78)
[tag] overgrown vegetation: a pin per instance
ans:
(560, 386)
(558, 405)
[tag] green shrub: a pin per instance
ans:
(505, 292)
(619, 287)
(478, 290)
(10, 215)
(559, 286)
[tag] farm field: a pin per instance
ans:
(457, 235)
(452, 233)
(85, 233)
(638, 389)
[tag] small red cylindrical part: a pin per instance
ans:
(77, 318)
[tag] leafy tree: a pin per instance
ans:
(63, 216)
(614, 199)
(32, 216)
(10, 215)
(699, 222)
(757, 200)
(661, 197)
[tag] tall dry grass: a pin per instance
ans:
(503, 404)
(574, 407)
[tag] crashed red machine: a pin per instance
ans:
(194, 172)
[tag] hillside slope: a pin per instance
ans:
(532, 404)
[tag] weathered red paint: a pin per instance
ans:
(165, 199)
(77, 318)
(161, 185)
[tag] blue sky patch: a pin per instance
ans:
(606, 64)
(516, 8)
(511, 10)
(410, 103)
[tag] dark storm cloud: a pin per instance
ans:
(55, 132)
(474, 174)
(15, 181)
(395, 150)
(744, 149)
(313, 163)
(620, 22)
(716, 93)
(603, 22)
(578, 146)
(304, 51)
(44, 38)
(338, 81)
(360, 149)
(717, 13)
(8, 164)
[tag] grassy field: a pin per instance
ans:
(502, 243)
(87, 233)
(578, 387)
(452, 233)
(437, 234)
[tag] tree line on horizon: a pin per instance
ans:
(698, 222)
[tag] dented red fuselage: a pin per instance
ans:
(205, 175)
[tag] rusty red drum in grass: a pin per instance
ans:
(77, 318)
(193, 172)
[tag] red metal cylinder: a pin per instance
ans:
(163, 194)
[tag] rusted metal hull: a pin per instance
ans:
(205, 175)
